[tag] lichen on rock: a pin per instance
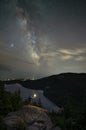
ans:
(28, 118)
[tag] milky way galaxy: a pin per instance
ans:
(42, 37)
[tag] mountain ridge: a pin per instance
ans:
(59, 88)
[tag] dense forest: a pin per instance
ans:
(8, 103)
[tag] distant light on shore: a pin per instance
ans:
(34, 95)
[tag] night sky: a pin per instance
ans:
(42, 37)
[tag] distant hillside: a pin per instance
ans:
(62, 88)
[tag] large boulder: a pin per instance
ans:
(28, 118)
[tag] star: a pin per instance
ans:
(11, 45)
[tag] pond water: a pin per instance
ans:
(34, 94)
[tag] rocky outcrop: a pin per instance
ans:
(29, 118)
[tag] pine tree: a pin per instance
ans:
(39, 103)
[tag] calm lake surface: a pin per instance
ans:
(25, 93)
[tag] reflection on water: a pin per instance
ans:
(34, 94)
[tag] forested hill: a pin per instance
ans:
(60, 88)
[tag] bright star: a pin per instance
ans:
(12, 45)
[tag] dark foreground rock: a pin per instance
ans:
(29, 118)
